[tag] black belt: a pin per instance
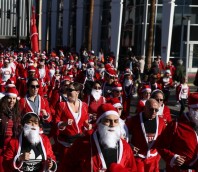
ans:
(71, 139)
(187, 167)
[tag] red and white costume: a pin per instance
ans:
(164, 113)
(179, 138)
(25, 107)
(6, 73)
(73, 131)
(86, 155)
(140, 106)
(14, 151)
(147, 158)
(182, 91)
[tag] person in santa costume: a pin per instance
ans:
(9, 120)
(124, 130)
(144, 96)
(94, 100)
(71, 118)
(164, 110)
(129, 89)
(31, 151)
(33, 102)
(144, 130)
(104, 150)
(167, 84)
(5, 74)
(178, 143)
(109, 78)
(154, 82)
(182, 93)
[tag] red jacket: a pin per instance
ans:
(13, 152)
(85, 155)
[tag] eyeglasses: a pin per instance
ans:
(120, 108)
(159, 100)
(153, 110)
(97, 88)
(118, 91)
(34, 86)
(70, 90)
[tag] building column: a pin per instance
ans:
(54, 23)
(96, 26)
(44, 15)
(66, 15)
(167, 27)
(116, 24)
(79, 24)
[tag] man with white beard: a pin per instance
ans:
(94, 100)
(178, 144)
(32, 151)
(102, 151)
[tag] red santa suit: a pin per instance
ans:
(164, 113)
(21, 75)
(69, 133)
(6, 73)
(182, 91)
(179, 138)
(147, 158)
(14, 151)
(86, 155)
(25, 107)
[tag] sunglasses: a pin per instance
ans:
(70, 90)
(120, 108)
(153, 110)
(34, 86)
(118, 91)
(159, 100)
(97, 88)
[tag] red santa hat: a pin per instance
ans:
(66, 78)
(117, 86)
(110, 59)
(31, 69)
(71, 58)
(193, 100)
(11, 91)
(105, 110)
(127, 71)
(115, 102)
(167, 71)
(6, 60)
(146, 88)
(70, 74)
(91, 62)
(111, 71)
(10, 83)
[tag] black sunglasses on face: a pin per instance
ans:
(153, 110)
(70, 90)
(160, 100)
(34, 86)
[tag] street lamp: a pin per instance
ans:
(187, 44)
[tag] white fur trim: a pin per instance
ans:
(117, 105)
(173, 159)
(193, 106)
(117, 88)
(110, 112)
(11, 94)
(146, 89)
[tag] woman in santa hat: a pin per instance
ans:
(9, 120)
(145, 95)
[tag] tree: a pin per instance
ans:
(90, 25)
(150, 35)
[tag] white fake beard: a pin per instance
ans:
(127, 82)
(194, 116)
(96, 94)
(109, 138)
(32, 134)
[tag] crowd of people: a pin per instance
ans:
(70, 112)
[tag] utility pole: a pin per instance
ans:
(90, 25)
(18, 21)
(28, 21)
(150, 36)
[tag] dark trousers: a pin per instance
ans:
(182, 103)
